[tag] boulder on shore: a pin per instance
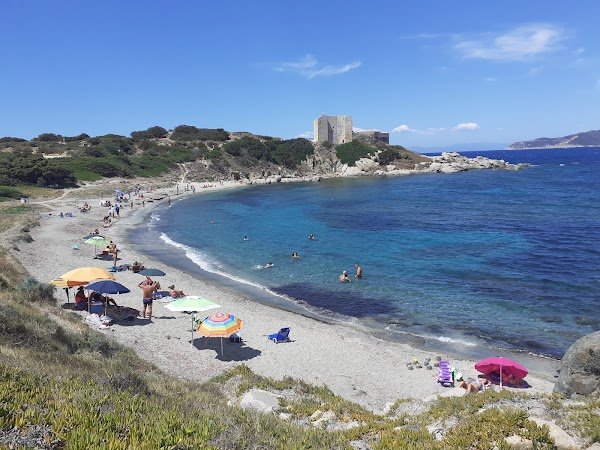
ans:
(580, 369)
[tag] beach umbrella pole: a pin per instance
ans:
(500, 377)
(192, 341)
(221, 346)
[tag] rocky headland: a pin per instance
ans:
(584, 139)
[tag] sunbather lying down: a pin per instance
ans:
(480, 384)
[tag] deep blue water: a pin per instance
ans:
(501, 259)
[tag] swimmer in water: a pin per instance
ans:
(311, 237)
(245, 238)
(269, 264)
(358, 271)
(344, 277)
(295, 256)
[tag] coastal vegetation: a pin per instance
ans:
(58, 161)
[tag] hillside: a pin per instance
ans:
(584, 139)
(199, 154)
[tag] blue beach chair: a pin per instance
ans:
(281, 336)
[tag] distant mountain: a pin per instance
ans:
(585, 139)
(477, 146)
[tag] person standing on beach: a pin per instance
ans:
(358, 271)
(168, 201)
(148, 290)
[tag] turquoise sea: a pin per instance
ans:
(475, 262)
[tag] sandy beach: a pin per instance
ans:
(351, 362)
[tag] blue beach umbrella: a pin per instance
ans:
(107, 287)
(152, 273)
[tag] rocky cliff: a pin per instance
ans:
(585, 139)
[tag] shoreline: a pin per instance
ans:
(353, 363)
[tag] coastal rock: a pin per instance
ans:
(352, 172)
(452, 162)
(367, 165)
(562, 440)
(259, 400)
(327, 416)
(580, 369)
(519, 443)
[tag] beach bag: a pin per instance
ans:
(235, 338)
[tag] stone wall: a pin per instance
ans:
(333, 129)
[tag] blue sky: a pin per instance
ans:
(431, 73)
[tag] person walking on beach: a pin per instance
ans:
(358, 271)
(148, 290)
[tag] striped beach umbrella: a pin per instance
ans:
(220, 325)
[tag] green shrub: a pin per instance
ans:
(213, 154)
(351, 152)
(152, 132)
(191, 133)
(34, 291)
(10, 193)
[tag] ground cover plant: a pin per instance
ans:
(64, 385)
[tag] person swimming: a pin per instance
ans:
(311, 237)
(344, 277)
(295, 256)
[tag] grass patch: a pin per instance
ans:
(40, 193)
(79, 389)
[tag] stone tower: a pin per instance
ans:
(333, 129)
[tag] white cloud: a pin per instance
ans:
(579, 51)
(309, 68)
(490, 79)
(519, 44)
(306, 135)
(407, 129)
(404, 129)
(469, 126)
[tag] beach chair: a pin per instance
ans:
(445, 374)
(281, 336)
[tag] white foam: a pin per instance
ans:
(209, 265)
(455, 341)
(154, 218)
(444, 339)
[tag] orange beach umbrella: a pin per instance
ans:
(84, 275)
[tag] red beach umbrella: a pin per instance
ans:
(501, 365)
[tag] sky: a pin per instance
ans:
(432, 74)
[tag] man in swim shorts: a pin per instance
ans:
(358, 271)
(148, 290)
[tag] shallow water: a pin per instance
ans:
(476, 260)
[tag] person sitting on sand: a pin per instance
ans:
(510, 379)
(175, 293)
(80, 296)
(480, 384)
(344, 277)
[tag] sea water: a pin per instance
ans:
(497, 260)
